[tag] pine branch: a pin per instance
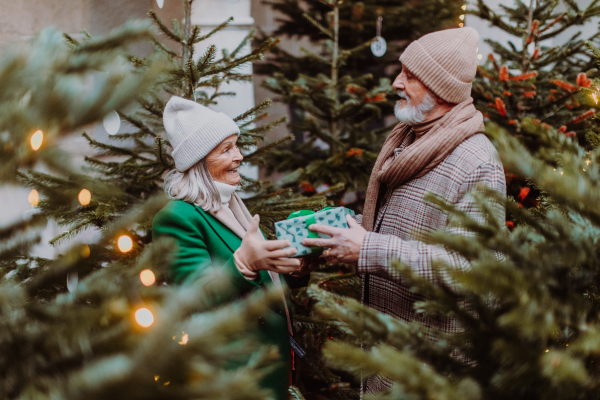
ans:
(163, 28)
(254, 110)
(137, 123)
(207, 58)
(158, 45)
(320, 27)
(243, 43)
(268, 147)
(215, 30)
(70, 39)
(130, 32)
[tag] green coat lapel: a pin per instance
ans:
(231, 240)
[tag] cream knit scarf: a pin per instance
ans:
(460, 123)
(234, 215)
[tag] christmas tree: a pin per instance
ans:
(530, 319)
(533, 77)
(97, 321)
(397, 21)
(338, 98)
(338, 95)
(528, 306)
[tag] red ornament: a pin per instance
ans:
(354, 152)
(504, 73)
(523, 77)
(583, 81)
(524, 192)
(500, 106)
(564, 85)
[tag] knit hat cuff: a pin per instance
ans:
(433, 75)
(195, 147)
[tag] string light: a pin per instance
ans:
(479, 56)
(156, 377)
(34, 198)
(144, 317)
(125, 243)
(84, 252)
(84, 197)
(184, 339)
(147, 277)
(462, 17)
(36, 140)
(464, 7)
(461, 25)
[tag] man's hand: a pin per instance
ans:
(344, 245)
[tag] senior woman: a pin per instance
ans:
(213, 227)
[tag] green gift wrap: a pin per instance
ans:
(295, 228)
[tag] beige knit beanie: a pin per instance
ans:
(194, 130)
(445, 61)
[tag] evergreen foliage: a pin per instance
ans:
(340, 145)
(339, 92)
(534, 77)
(340, 125)
(529, 316)
(531, 328)
(67, 325)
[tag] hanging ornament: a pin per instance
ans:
(112, 123)
(379, 46)
(72, 281)
(160, 3)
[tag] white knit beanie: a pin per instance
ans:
(194, 130)
(445, 61)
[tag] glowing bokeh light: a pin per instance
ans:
(36, 140)
(144, 317)
(34, 198)
(84, 197)
(125, 243)
(147, 277)
(84, 251)
(184, 339)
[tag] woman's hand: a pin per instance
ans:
(269, 255)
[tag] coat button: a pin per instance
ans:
(261, 320)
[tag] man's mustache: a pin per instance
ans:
(399, 95)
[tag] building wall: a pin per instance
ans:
(19, 20)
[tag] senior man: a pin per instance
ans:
(437, 148)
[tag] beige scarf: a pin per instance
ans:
(239, 221)
(460, 123)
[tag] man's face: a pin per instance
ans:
(416, 100)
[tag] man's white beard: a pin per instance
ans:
(411, 115)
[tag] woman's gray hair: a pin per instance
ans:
(195, 185)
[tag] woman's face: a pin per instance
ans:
(223, 161)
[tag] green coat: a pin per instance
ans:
(204, 242)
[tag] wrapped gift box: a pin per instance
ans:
(295, 228)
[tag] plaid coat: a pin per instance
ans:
(403, 217)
